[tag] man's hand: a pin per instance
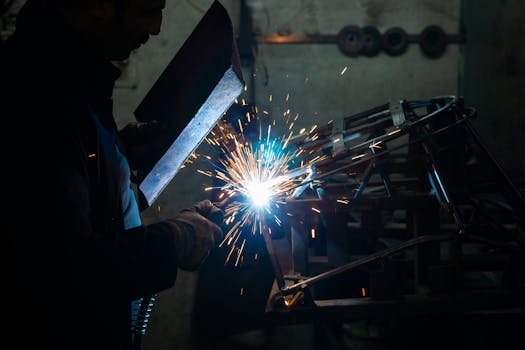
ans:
(196, 231)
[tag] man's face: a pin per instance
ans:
(131, 27)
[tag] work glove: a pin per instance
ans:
(196, 231)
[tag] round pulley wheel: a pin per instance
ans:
(350, 40)
(395, 41)
(433, 41)
(372, 42)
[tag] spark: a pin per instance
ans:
(239, 254)
(394, 132)
(207, 173)
(240, 125)
(258, 170)
(375, 144)
(256, 176)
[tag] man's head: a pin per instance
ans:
(115, 27)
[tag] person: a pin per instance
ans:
(76, 252)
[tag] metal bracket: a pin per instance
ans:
(337, 137)
(397, 111)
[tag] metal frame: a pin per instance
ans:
(434, 190)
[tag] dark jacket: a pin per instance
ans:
(71, 268)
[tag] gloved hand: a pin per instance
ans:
(196, 231)
(207, 209)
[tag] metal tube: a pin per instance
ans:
(369, 258)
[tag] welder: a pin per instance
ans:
(77, 254)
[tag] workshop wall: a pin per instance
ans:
(325, 84)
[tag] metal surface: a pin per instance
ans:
(396, 109)
(200, 83)
(404, 216)
(191, 137)
(365, 260)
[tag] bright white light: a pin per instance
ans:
(259, 193)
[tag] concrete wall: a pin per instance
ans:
(311, 73)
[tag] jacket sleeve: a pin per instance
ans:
(133, 263)
(59, 247)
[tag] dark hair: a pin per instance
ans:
(71, 4)
(66, 3)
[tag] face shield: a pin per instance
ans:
(194, 91)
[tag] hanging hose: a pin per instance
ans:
(140, 312)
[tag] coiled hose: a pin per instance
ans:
(140, 312)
